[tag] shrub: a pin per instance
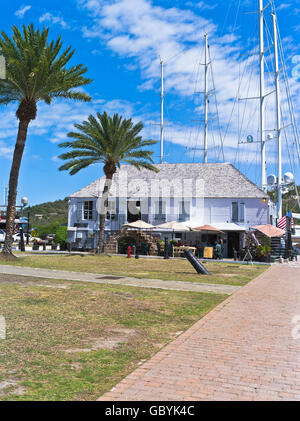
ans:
(47, 229)
(61, 236)
(34, 233)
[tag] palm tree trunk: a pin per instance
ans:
(104, 203)
(13, 185)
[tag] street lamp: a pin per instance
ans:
(24, 202)
(28, 222)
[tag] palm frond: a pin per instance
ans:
(108, 140)
(36, 69)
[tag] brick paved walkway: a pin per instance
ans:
(242, 350)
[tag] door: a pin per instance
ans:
(233, 243)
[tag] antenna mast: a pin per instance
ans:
(206, 64)
(162, 112)
(278, 117)
(262, 95)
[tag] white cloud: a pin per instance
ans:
(21, 12)
(6, 151)
(283, 6)
(48, 17)
(139, 30)
(55, 121)
(204, 6)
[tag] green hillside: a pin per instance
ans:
(48, 213)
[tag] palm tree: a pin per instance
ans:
(35, 71)
(110, 141)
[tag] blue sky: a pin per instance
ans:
(120, 42)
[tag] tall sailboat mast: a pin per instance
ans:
(206, 64)
(262, 96)
(162, 94)
(278, 117)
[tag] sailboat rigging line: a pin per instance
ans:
(226, 18)
(291, 163)
(236, 100)
(249, 80)
(183, 50)
(195, 74)
(288, 92)
(212, 135)
(217, 109)
(201, 53)
(291, 108)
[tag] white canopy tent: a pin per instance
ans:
(229, 226)
(141, 225)
(173, 226)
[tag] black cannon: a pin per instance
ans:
(195, 262)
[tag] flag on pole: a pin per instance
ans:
(282, 222)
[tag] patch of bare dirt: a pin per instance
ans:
(76, 366)
(126, 295)
(116, 337)
(32, 284)
(6, 257)
(226, 275)
(11, 385)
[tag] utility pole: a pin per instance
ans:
(206, 64)
(278, 117)
(262, 95)
(162, 112)
(5, 193)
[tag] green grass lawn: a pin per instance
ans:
(70, 341)
(173, 269)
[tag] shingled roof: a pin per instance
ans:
(221, 180)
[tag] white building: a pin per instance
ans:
(216, 194)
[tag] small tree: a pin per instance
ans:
(35, 71)
(110, 141)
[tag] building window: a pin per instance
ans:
(184, 211)
(88, 210)
(238, 212)
(111, 210)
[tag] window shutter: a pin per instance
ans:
(94, 211)
(242, 212)
(235, 211)
(79, 211)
